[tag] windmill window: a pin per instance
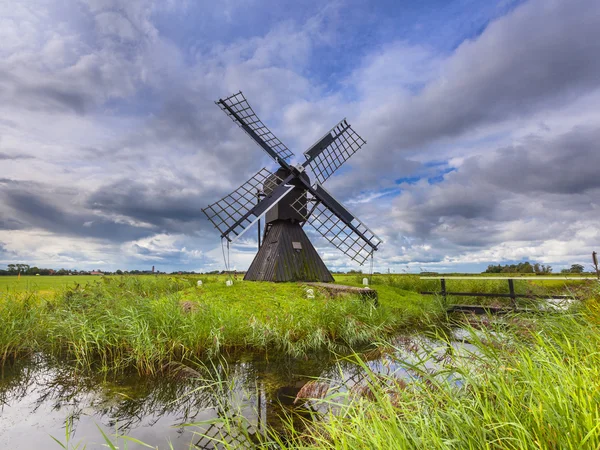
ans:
(297, 246)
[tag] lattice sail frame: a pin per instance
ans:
(345, 144)
(224, 213)
(216, 433)
(239, 105)
(334, 230)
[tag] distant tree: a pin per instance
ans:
(119, 272)
(541, 268)
(576, 268)
(23, 268)
(522, 267)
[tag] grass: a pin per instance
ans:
(415, 284)
(528, 384)
(540, 391)
(149, 322)
(41, 284)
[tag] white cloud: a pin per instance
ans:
(127, 145)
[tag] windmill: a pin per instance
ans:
(289, 201)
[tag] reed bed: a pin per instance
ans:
(524, 384)
(147, 323)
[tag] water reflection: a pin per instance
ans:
(38, 396)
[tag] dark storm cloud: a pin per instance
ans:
(10, 223)
(55, 94)
(566, 165)
(188, 123)
(544, 180)
(27, 207)
(167, 205)
(543, 54)
(14, 156)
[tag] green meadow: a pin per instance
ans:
(47, 284)
(147, 322)
(531, 381)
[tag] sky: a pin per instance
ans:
(481, 120)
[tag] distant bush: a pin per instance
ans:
(524, 267)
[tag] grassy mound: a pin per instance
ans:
(148, 322)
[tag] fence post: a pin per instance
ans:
(443, 282)
(511, 288)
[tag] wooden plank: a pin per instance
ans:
(478, 309)
(491, 294)
(561, 278)
(336, 289)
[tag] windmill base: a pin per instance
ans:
(287, 255)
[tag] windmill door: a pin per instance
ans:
(267, 263)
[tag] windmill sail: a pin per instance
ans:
(240, 111)
(332, 150)
(288, 201)
(238, 210)
(339, 226)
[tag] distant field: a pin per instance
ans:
(43, 283)
(409, 282)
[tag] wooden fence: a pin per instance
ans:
(444, 293)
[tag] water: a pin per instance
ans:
(40, 396)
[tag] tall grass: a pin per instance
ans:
(535, 387)
(414, 283)
(524, 384)
(148, 322)
(21, 322)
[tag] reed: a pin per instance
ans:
(536, 386)
(523, 382)
(149, 322)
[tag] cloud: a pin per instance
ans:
(110, 140)
(516, 202)
(14, 156)
(39, 206)
(537, 57)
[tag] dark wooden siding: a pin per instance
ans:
(277, 260)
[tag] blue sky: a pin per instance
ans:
(480, 119)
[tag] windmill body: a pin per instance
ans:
(288, 201)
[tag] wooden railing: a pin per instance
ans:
(444, 293)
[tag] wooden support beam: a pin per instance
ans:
(337, 289)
